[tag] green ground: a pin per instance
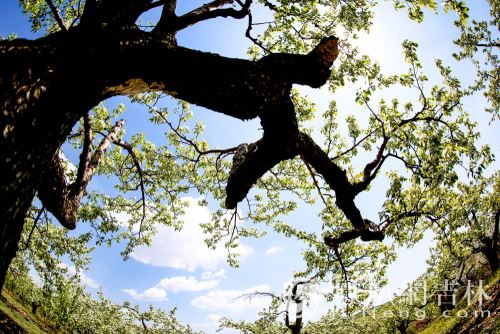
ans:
(17, 318)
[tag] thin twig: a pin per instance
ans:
(137, 165)
(35, 222)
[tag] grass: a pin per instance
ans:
(441, 325)
(19, 314)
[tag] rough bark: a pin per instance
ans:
(495, 259)
(489, 245)
(47, 85)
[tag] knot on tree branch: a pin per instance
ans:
(326, 51)
(242, 151)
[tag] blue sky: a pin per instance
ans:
(177, 270)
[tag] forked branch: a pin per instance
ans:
(212, 10)
(171, 23)
(56, 15)
(59, 196)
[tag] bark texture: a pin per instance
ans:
(48, 84)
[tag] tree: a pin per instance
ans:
(69, 308)
(59, 296)
(467, 225)
(95, 50)
(108, 28)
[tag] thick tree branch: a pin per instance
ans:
(101, 149)
(281, 136)
(168, 19)
(236, 87)
(65, 74)
(279, 143)
(239, 88)
(345, 192)
(334, 176)
(209, 7)
(53, 193)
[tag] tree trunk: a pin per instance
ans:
(34, 307)
(48, 84)
(490, 252)
(402, 327)
(493, 258)
(40, 103)
(489, 246)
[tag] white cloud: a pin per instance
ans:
(273, 250)
(84, 279)
(122, 218)
(185, 249)
(208, 275)
(233, 300)
(90, 282)
(183, 283)
(176, 284)
(151, 294)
